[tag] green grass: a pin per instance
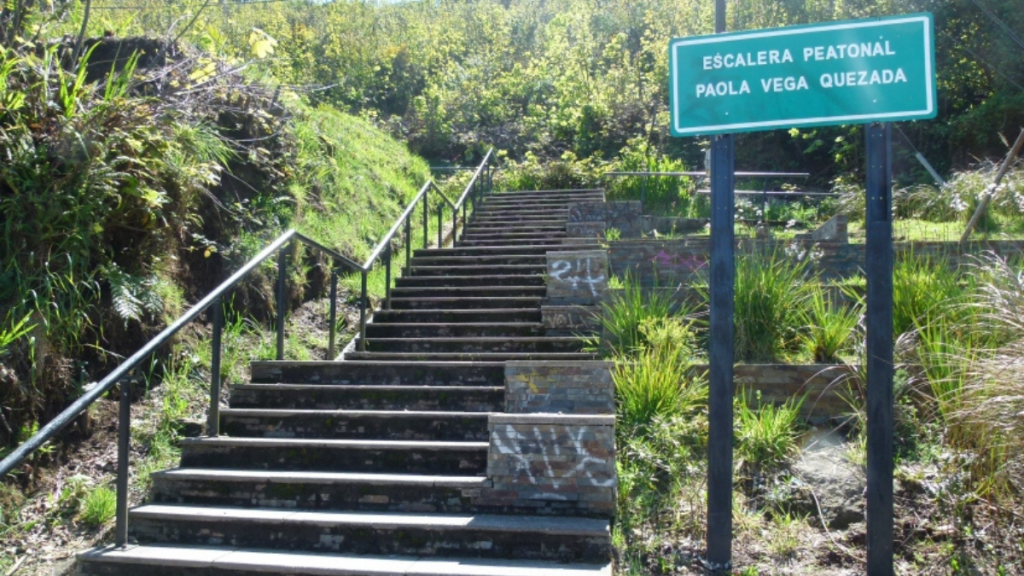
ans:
(624, 313)
(830, 326)
(98, 507)
(766, 434)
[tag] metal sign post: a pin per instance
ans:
(870, 71)
(878, 267)
(721, 353)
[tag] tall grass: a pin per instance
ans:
(766, 434)
(658, 381)
(624, 314)
(923, 286)
(830, 326)
(772, 296)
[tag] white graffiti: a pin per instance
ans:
(550, 452)
(582, 274)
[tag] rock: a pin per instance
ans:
(190, 428)
(823, 471)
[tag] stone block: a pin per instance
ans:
(578, 277)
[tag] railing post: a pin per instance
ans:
(362, 315)
(455, 225)
(282, 272)
(387, 277)
(463, 232)
(643, 193)
(124, 428)
(440, 226)
(408, 240)
(426, 208)
(333, 326)
(213, 419)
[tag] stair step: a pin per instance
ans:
(470, 356)
(453, 330)
(479, 291)
(549, 244)
(457, 316)
(369, 397)
(465, 302)
(478, 259)
(296, 454)
(511, 220)
(380, 373)
(477, 344)
(479, 535)
(523, 212)
(355, 424)
(520, 249)
(481, 280)
(474, 269)
(165, 560)
(317, 490)
(474, 228)
(554, 192)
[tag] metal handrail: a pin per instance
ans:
(474, 191)
(282, 246)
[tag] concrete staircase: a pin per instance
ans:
(373, 465)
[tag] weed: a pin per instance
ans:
(626, 311)
(98, 507)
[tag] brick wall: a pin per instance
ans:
(570, 320)
(568, 387)
(577, 277)
(551, 463)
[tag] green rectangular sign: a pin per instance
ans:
(858, 71)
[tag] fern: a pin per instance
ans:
(133, 297)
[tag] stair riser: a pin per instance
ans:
(488, 400)
(549, 244)
(388, 374)
(552, 213)
(465, 303)
(473, 270)
(480, 346)
(456, 281)
(384, 330)
(445, 316)
(468, 356)
(309, 496)
(539, 260)
(515, 228)
(469, 292)
(366, 540)
(517, 248)
(467, 428)
(314, 459)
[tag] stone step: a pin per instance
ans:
(481, 280)
(522, 211)
(513, 221)
(548, 244)
(540, 199)
(443, 535)
(512, 235)
(478, 291)
(369, 397)
(521, 249)
(309, 455)
(515, 228)
(354, 424)
(351, 491)
(477, 344)
(469, 356)
(465, 302)
(540, 194)
(165, 560)
(379, 373)
(474, 270)
(453, 330)
(480, 259)
(456, 316)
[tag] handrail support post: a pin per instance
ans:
(332, 326)
(364, 302)
(213, 420)
(282, 279)
(124, 428)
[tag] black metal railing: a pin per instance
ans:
(703, 174)
(479, 185)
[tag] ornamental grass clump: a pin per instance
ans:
(772, 296)
(829, 326)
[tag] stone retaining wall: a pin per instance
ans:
(671, 262)
(551, 463)
(557, 386)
